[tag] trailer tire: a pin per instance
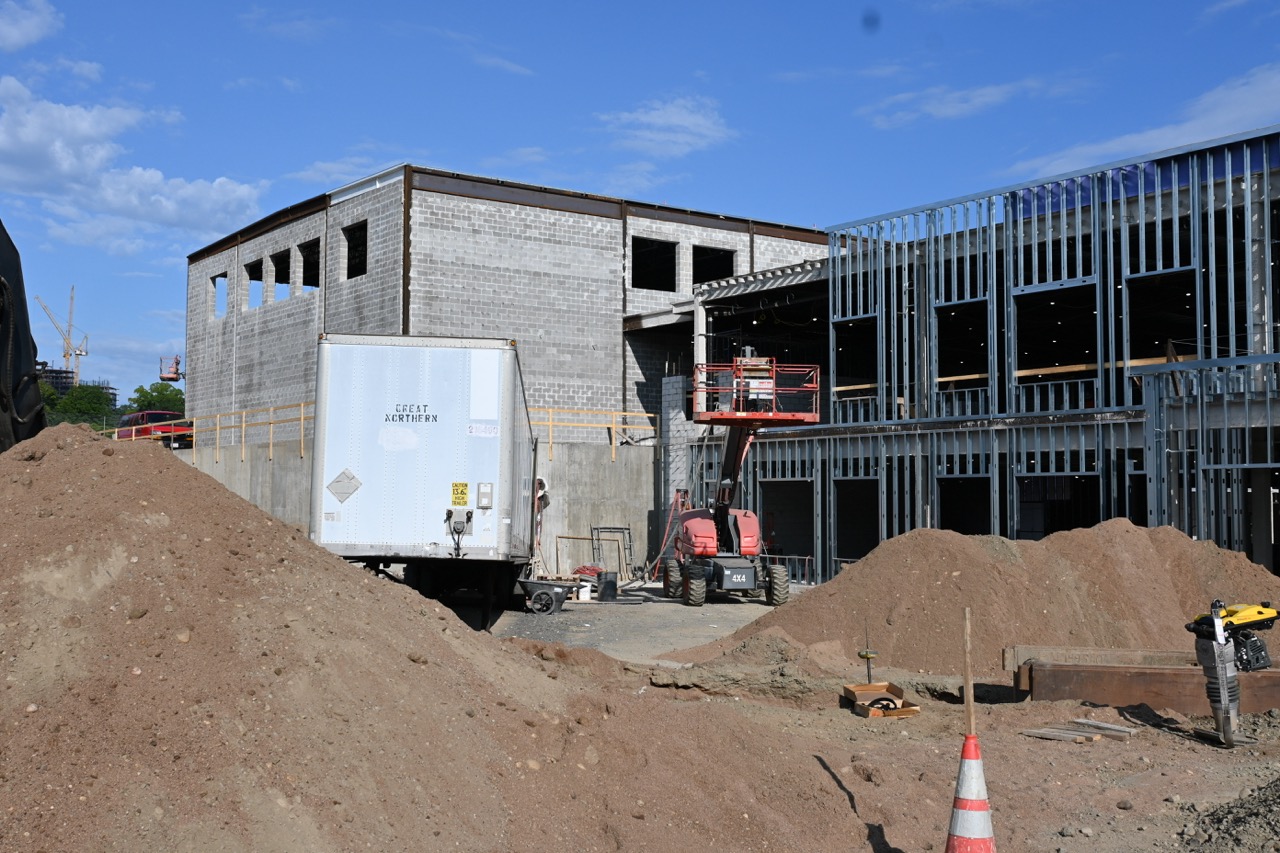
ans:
(672, 585)
(695, 591)
(779, 586)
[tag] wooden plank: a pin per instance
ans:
(1017, 656)
(1106, 727)
(1036, 371)
(1053, 734)
(1178, 689)
(1091, 737)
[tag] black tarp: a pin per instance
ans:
(21, 406)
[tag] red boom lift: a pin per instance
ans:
(720, 548)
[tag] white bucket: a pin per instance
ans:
(584, 592)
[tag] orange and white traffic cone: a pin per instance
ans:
(971, 816)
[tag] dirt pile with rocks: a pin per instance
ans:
(185, 673)
(1113, 586)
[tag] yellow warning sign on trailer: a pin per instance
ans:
(459, 494)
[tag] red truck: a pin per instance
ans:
(170, 427)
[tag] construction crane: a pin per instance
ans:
(68, 350)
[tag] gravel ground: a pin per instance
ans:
(639, 627)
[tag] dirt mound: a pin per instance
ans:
(184, 672)
(1109, 586)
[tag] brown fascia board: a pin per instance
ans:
(262, 226)
(492, 189)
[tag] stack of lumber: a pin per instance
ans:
(1083, 731)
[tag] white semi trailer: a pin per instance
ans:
(424, 458)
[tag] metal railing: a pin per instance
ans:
(619, 425)
(801, 570)
(259, 426)
(1069, 395)
(964, 403)
(240, 426)
(857, 410)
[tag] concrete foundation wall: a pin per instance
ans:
(280, 485)
(589, 488)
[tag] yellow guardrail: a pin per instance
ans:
(210, 428)
(619, 424)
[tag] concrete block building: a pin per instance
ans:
(416, 251)
(1017, 361)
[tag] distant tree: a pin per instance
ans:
(50, 396)
(84, 404)
(160, 397)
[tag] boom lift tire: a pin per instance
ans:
(695, 591)
(672, 586)
(779, 586)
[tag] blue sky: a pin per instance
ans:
(132, 134)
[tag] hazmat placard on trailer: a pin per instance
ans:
(459, 494)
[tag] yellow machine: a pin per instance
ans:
(1226, 645)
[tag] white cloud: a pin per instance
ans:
(201, 206)
(90, 71)
(527, 156)
(491, 61)
(293, 26)
(670, 129)
(1244, 103)
(1223, 6)
(631, 180)
(943, 102)
(41, 141)
(25, 23)
(480, 53)
(335, 173)
(65, 155)
(883, 71)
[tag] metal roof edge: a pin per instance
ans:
(1257, 133)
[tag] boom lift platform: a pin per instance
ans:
(719, 547)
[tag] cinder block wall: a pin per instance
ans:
(369, 304)
(550, 279)
(264, 355)
(251, 356)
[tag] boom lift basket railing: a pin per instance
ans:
(755, 391)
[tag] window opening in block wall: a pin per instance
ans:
(280, 275)
(310, 252)
(653, 264)
(711, 264)
(357, 237)
(253, 272)
(219, 283)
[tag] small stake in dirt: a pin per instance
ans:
(970, 830)
(867, 652)
(968, 679)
